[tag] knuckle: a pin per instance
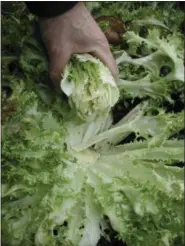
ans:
(53, 76)
(103, 45)
(55, 79)
(53, 72)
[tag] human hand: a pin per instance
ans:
(74, 32)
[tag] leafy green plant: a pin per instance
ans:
(70, 182)
(90, 87)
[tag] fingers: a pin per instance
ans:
(105, 55)
(58, 62)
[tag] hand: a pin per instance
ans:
(74, 32)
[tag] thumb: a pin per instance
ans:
(105, 55)
(57, 64)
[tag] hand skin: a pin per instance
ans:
(75, 31)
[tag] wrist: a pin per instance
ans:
(77, 18)
(76, 10)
